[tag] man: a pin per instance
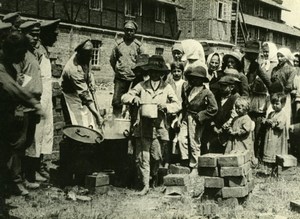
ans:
(14, 18)
(123, 60)
(11, 94)
(44, 129)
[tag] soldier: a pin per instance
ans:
(123, 60)
(14, 18)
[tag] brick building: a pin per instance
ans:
(102, 21)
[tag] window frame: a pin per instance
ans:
(130, 4)
(160, 13)
(95, 60)
(100, 8)
(223, 16)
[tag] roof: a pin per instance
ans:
(216, 43)
(271, 25)
(273, 3)
(171, 2)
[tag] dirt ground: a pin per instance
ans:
(270, 195)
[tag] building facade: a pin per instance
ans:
(102, 21)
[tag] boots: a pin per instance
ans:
(144, 191)
(153, 182)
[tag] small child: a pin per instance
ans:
(276, 131)
(241, 129)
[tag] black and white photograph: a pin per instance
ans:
(145, 109)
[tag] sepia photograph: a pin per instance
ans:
(145, 109)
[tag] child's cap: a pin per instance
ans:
(177, 47)
(228, 79)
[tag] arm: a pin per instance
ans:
(244, 86)
(211, 109)
(263, 76)
(113, 57)
(134, 93)
(290, 79)
(173, 105)
(244, 129)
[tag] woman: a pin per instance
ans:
(269, 60)
(78, 88)
(233, 60)
(214, 73)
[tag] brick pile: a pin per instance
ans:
(98, 182)
(286, 166)
(228, 176)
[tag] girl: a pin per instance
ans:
(198, 107)
(241, 129)
(269, 60)
(214, 73)
(276, 139)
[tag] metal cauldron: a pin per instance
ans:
(77, 153)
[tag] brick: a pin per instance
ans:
(286, 171)
(179, 169)
(100, 190)
(176, 180)
(213, 182)
(236, 181)
(208, 171)
(231, 160)
(162, 172)
(265, 216)
(235, 171)
(235, 192)
(208, 160)
(286, 160)
(92, 181)
(295, 205)
(175, 190)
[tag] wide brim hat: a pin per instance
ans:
(50, 24)
(156, 63)
(229, 79)
(10, 16)
(251, 46)
(197, 71)
(141, 60)
(30, 26)
(233, 54)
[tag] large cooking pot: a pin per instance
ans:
(83, 134)
(149, 110)
(116, 129)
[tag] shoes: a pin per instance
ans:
(44, 172)
(39, 178)
(144, 191)
(30, 185)
(20, 190)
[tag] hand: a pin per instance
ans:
(264, 121)
(162, 106)
(136, 101)
(218, 131)
(233, 114)
(293, 92)
(231, 132)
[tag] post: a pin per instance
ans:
(237, 22)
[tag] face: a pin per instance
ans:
(214, 63)
(129, 33)
(281, 58)
(251, 56)
(232, 63)
(52, 37)
(195, 81)
(240, 109)
(33, 37)
(177, 74)
(226, 89)
(277, 106)
(177, 55)
(296, 61)
(155, 75)
(265, 51)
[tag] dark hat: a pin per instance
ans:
(84, 46)
(5, 26)
(233, 54)
(157, 63)
(197, 71)
(141, 60)
(50, 23)
(10, 16)
(30, 26)
(252, 46)
(228, 79)
(130, 24)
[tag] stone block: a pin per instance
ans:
(213, 182)
(235, 192)
(286, 171)
(100, 190)
(286, 160)
(236, 181)
(176, 180)
(173, 169)
(162, 172)
(99, 179)
(208, 171)
(235, 171)
(208, 160)
(231, 160)
(175, 190)
(212, 193)
(295, 205)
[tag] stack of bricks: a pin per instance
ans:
(97, 183)
(228, 176)
(286, 166)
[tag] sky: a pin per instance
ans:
(292, 18)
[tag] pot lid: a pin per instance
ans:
(83, 134)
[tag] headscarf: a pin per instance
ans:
(272, 51)
(192, 50)
(286, 52)
(210, 57)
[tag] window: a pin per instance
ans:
(96, 5)
(96, 52)
(160, 15)
(159, 51)
(222, 11)
(133, 8)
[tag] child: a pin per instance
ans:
(276, 131)
(241, 129)
(198, 107)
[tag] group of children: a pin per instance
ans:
(196, 116)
